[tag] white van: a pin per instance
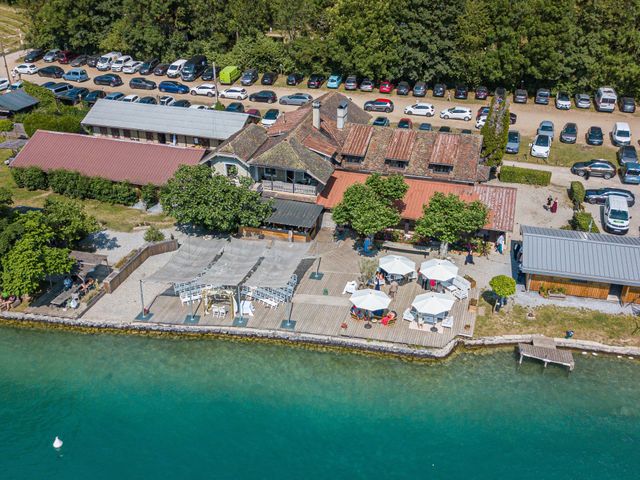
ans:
(175, 68)
(120, 63)
(621, 134)
(616, 214)
(605, 99)
(105, 61)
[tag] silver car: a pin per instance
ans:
(513, 142)
(582, 100)
(296, 99)
(546, 128)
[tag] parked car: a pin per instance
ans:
(627, 104)
(142, 83)
(513, 142)
(198, 106)
(563, 101)
(461, 92)
(621, 134)
(420, 89)
(149, 100)
(569, 134)
(193, 68)
(26, 69)
(381, 122)
(420, 108)
(114, 96)
(148, 66)
(110, 79)
(171, 86)
(425, 127)
(405, 123)
(105, 61)
(334, 81)
(270, 117)
(630, 173)
(235, 107)
(237, 93)
(484, 111)
(379, 105)
(296, 99)
(403, 88)
(208, 89)
(541, 146)
(366, 85)
(74, 95)
(615, 217)
(457, 113)
(34, 55)
(254, 115)
(480, 121)
(76, 75)
(229, 74)
(594, 136)
(445, 129)
(133, 66)
(65, 56)
(546, 128)
(249, 77)
(351, 83)
(93, 96)
(266, 96)
(60, 88)
(598, 196)
(161, 69)
(627, 154)
(520, 96)
(439, 90)
(315, 81)
(130, 99)
(385, 87)
(294, 79)
(542, 96)
(92, 61)
(208, 76)
(269, 78)
(51, 55)
(79, 61)
(481, 93)
(119, 64)
(51, 71)
(175, 68)
(4, 83)
(594, 168)
(166, 100)
(582, 100)
(181, 103)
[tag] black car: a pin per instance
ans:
(142, 83)
(569, 133)
(266, 96)
(207, 75)
(594, 168)
(51, 71)
(194, 67)
(627, 104)
(93, 96)
(161, 69)
(92, 60)
(444, 129)
(542, 96)
(110, 79)
(148, 100)
(627, 154)
(315, 81)
(461, 92)
(600, 195)
(439, 89)
(249, 77)
(181, 103)
(520, 96)
(403, 88)
(79, 61)
(269, 78)
(294, 79)
(500, 93)
(425, 127)
(235, 107)
(381, 122)
(594, 136)
(34, 55)
(420, 89)
(74, 95)
(482, 93)
(149, 66)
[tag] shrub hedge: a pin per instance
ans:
(6, 125)
(581, 222)
(527, 176)
(31, 178)
(577, 192)
(149, 194)
(51, 121)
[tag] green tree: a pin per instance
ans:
(68, 219)
(390, 188)
(365, 211)
(447, 218)
(495, 133)
(503, 286)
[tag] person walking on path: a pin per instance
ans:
(554, 206)
(500, 244)
(393, 289)
(469, 258)
(448, 96)
(549, 202)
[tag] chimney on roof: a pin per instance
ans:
(341, 116)
(316, 114)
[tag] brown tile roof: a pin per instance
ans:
(244, 143)
(445, 149)
(117, 160)
(401, 145)
(319, 144)
(501, 201)
(357, 140)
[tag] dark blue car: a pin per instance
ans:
(170, 86)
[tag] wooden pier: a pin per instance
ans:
(544, 349)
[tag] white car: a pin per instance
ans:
(424, 109)
(132, 66)
(4, 84)
(208, 89)
(236, 93)
(481, 121)
(166, 100)
(456, 113)
(26, 69)
(198, 106)
(563, 101)
(118, 65)
(541, 146)
(130, 99)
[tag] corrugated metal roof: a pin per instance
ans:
(213, 124)
(16, 101)
(294, 214)
(357, 140)
(445, 149)
(401, 145)
(581, 255)
(117, 160)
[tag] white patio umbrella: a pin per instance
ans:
(439, 270)
(397, 265)
(371, 300)
(432, 303)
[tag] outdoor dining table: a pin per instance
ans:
(64, 296)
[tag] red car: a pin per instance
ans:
(66, 56)
(386, 86)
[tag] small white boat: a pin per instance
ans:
(57, 443)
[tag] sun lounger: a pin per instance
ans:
(447, 322)
(407, 315)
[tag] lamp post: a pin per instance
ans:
(6, 67)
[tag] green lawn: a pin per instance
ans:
(115, 217)
(12, 23)
(563, 154)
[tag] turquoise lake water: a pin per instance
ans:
(134, 408)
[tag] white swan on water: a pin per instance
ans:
(57, 443)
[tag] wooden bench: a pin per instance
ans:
(408, 248)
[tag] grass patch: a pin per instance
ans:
(114, 217)
(564, 154)
(13, 21)
(554, 321)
